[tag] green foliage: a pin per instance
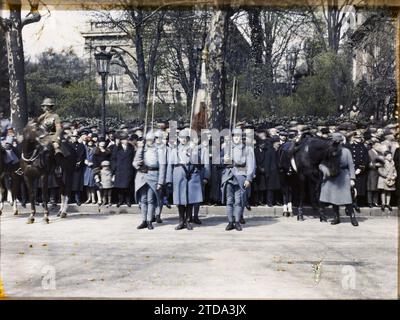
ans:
(322, 92)
(61, 76)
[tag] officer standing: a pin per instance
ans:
(162, 147)
(150, 163)
(185, 175)
(237, 175)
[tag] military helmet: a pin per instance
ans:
(48, 102)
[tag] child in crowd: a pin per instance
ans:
(387, 180)
(106, 180)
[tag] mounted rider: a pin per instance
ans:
(50, 123)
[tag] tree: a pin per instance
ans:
(217, 36)
(4, 85)
(183, 44)
(53, 75)
(16, 62)
(144, 28)
(329, 27)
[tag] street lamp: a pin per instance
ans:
(103, 59)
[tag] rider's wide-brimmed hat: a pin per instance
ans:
(48, 102)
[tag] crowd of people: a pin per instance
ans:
(124, 166)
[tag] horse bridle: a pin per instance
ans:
(34, 156)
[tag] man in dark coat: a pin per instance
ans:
(77, 180)
(261, 180)
(121, 162)
(272, 172)
(361, 161)
(397, 165)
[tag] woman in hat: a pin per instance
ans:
(88, 178)
(336, 187)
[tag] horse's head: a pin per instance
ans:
(30, 132)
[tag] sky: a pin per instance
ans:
(58, 30)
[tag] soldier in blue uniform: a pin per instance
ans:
(186, 176)
(150, 163)
(237, 175)
(159, 135)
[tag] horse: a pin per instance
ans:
(304, 164)
(38, 162)
(9, 171)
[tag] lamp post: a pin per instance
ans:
(103, 59)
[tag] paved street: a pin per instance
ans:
(103, 255)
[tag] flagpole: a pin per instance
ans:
(192, 110)
(235, 103)
(152, 107)
(232, 103)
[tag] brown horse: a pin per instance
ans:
(38, 162)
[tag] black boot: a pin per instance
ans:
(143, 225)
(336, 220)
(189, 226)
(158, 219)
(196, 220)
(353, 220)
(238, 227)
(150, 226)
(242, 221)
(357, 208)
(322, 216)
(230, 226)
(180, 226)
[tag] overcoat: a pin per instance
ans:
(373, 175)
(272, 170)
(242, 169)
(387, 171)
(121, 163)
(186, 172)
(260, 152)
(155, 159)
(396, 160)
(77, 180)
(88, 179)
(360, 156)
(337, 190)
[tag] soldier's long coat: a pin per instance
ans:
(151, 178)
(241, 174)
(187, 189)
(337, 190)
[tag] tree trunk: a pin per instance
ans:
(216, 67)
(16, 69)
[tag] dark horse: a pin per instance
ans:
(37, 162)
(304, 171)
(9, 171)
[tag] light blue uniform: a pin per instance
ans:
(148, 176)
(234, 195)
